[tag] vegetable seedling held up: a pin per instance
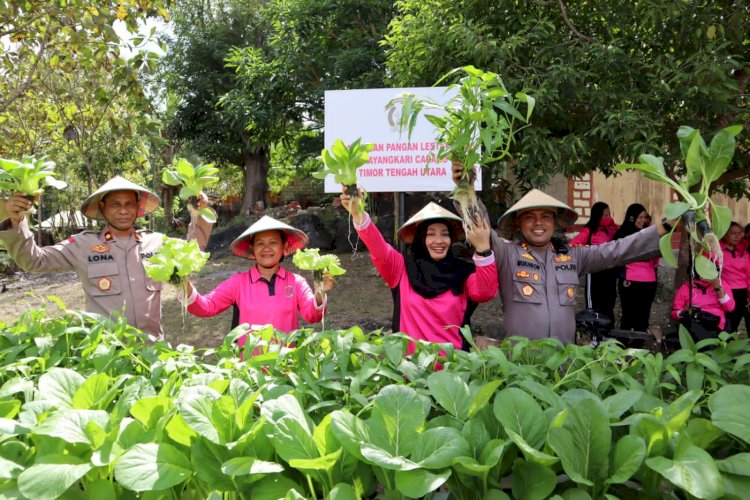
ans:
(705, 221)
(342, 162)
(192, 179)
(310, 259)
(177, 259)
(476, 126)
(29, 176)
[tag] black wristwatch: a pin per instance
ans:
(666, 224)
(484, 253)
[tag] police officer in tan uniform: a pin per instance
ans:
(538, 277)
(109, 262)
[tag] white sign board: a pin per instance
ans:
(397, 164)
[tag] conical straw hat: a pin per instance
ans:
(147, 201)
(538, 199)
(295, 239)
(429, 212)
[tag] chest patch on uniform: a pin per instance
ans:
(100, 257)
(536, 276)
(566, 267)
(570, 292)
(562, 258)
(104, 284)
(100, 248)
(530, 265)
(527, 290)
(523, 274)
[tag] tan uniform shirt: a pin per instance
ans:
(538, 288)
(111, 269)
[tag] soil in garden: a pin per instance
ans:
(360, 298)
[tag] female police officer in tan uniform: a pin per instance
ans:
(538, 279)
(108, 262)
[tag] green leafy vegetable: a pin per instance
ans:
(310, 259)
(477, 125)
(192, 179)
(705, 221)
(176, 260)
(342, 162)
(30, 175)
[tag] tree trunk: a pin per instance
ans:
(256, 165)
(683, 261)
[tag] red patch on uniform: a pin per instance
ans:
(100, 248)
(104, 284)
(562, 258)
(71, 240)
(108, 236)
(522, 274)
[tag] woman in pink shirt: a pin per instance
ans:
(267, 293)
(601, 288)
(735, 275)
(637, 281)
(434, 293)
(702, 307)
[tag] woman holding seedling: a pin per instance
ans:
(267, 293)
(432, 290)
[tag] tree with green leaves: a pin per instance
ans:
(612, 80)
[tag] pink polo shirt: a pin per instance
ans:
(707, 300)
(437, 319)
(602, 235)
(259, 302)
(735, 273)
(642, 271)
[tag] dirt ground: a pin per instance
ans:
(360, 298)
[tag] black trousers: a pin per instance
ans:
(636, 298)
(601, 292)
(734, 318)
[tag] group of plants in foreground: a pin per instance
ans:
(89, 407)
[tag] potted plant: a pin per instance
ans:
(342, 162)
(476, 126)
(704, 221)
(192, 179)
(29, 176)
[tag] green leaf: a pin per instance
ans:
(149, 411)
(342, 491)
(93, 390)
(721, 218)
(51, 476)
(293, 441)
(273, 488)
(706, 268)
(583, 443)
(208, 214)
(9, 469)
(730, 407)
(242, 466)
(196, 407)
(519, 412)
(383, 458)
(152, 466)
(692, 469)
(71, 425)
(674, 211)
(665, 246)
(450, 392)
(397, 414)
(630, 451)
(531, 481)
(436, 447)
(620, 402)
(350, 431)
(702, 432)
(418, 483)
(59, 385)
(720, 154)
(738, 464)
(324, 463)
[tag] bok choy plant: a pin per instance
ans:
(342, 162)
(310, 259)
(704, 220)
(476, 126)
(192, 179)
(30, 176)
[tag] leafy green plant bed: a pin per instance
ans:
(90, 408)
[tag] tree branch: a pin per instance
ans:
(564, 11)
(24, 86)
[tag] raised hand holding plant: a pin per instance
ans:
(705, 221)
(29, 176)
(310, 259)
(476, 126)
(192, 179)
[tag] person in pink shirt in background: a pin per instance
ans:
(744, 243)
(702, 307)
(601, 287)
(735, 275)
(637, 283)
(433, 291)
(266, 293)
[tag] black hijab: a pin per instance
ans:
(428, 277)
